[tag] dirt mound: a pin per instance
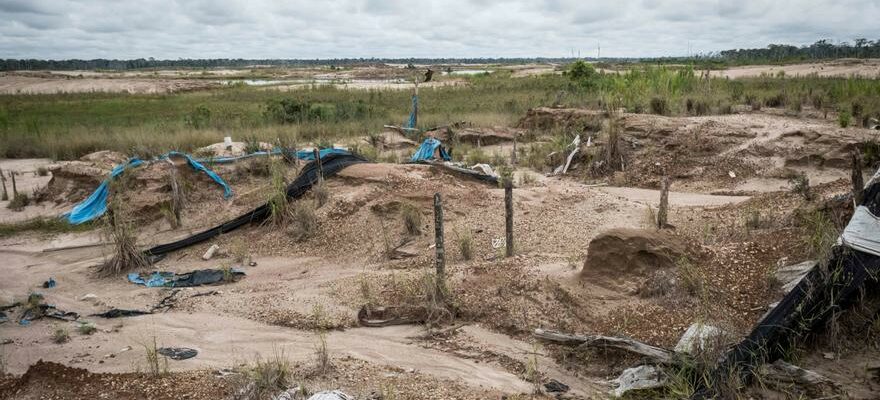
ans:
(73, 181)
(622, 258)
(566, 118)
(476, 136)
(45, 380)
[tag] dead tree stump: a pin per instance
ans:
(3, 181)
(317, 154)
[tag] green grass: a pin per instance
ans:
(66, 126)
(44, 225)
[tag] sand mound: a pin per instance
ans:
(234, 150)
(622, 258)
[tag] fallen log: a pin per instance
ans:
(655, 354)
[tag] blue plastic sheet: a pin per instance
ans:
(414, 114)
(96, 204)
(156, 279)
(427, 149)
(308, 155)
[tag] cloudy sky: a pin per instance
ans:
(167, 29)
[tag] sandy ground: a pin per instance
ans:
(12, 84)
(869, 68)
(296, 286)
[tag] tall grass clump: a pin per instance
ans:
(120, 228)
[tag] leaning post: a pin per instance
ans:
(14, 189)
(440, 262)
(858, 182)
(3, 181)
(317, 154)
(508, 215)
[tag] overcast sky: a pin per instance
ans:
(168, 29)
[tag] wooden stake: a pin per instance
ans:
(508, 216)
(440, 262)
(664, 202)
(3, 181)
(513, 154)
(317, 154)
(858, 183)
(14, 189)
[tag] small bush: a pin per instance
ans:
(659, 106)
(689, 276)
(60, 335)
(320, 193)
(777, 100)
(19, 202)
(412, 219)
(800, 184)
(86, 328)
(120, 229)
(844, 119)
(465, 245)
(304, 221)
(42, 171)
(265, 379)
(322, 356)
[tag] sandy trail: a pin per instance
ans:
(838, 68)
(676, 199)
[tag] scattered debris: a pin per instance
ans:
(331, 395)
(639, 378)
(177, 353)
(187, 279)
(210, 252)
(119, 313)
(49, 284)
(782, 374)
(655, 354)
(554, 386)
(697, 336)
(791, 275)
(395, 315)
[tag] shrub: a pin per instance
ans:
(844, 119)
(86, 328)
(60, 335)
(412, 219)
(304, 220)
(800, 184)
(19, 202)
(581, 71)
(466, 245)
(659, 106)
(42, 171)
(265, 378)
(120, 229)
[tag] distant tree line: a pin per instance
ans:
(822, 49)
(148, 63)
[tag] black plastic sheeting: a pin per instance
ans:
(460, 171)
(331, 164)
(828, 288)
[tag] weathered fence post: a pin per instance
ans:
(317, 154)
(14, 189)
(664, 202)
(858, 183)
(3, 181)
(440, 262)
(508, 215)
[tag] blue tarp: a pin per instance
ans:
(427, 149)
(96, 204)
(156, 279)
(309, 155)
(414, 114)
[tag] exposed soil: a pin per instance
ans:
(735, 216)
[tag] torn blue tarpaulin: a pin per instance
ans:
(309, 155)
(428, 149)
(414, 114)
(185, 279)
(96, 204)
(227, 191)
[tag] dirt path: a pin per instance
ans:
(838, 68)
(676, 199)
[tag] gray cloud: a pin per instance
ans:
(434, 28)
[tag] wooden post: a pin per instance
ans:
(440, 262)
(317, 154)
(664, 202)
(508, 215)
(3, 181)
(14, 189)
(858, 183)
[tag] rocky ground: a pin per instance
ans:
(589, 261)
